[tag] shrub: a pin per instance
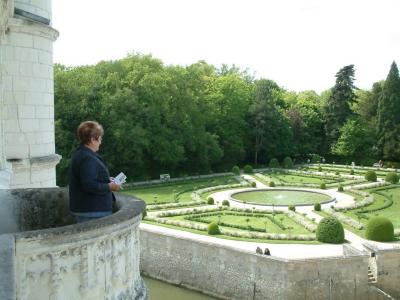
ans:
(337, 173)
(351, 172)
(370, 176)
(273, 163)
(236, 170)
(392, 177)
(330, 230)
(322, 186)
(379, 229)
(213, 228)
(248, 169)
(253, 184)
(319, 169)
(287, 163)
(317, 206)
(210, 200)
(292, 207)
(271, 184)
(340, 188)
(315, 159)
(225, 202)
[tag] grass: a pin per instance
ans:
(302, 179)
(167, 193)
(281, 197)
(234, 238)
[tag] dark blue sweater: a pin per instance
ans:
(88, 182)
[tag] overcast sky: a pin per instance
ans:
(300, 44)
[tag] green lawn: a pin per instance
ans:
(165, 193)
(287, 178)
(281, 197)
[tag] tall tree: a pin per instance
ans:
(388, 116)
(338, 107)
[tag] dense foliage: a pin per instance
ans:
(392, 177)
(371, 176)
(199, 119)
(380, 229)
(330, 230)
(213, 228)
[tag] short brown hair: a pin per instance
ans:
(88, 130)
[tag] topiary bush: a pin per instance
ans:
(248, 169)
(271, 184)
(225, 202)
(370, 175)
(273, 163)
(292, 207)
(379, 229)
(236, 170)
(319, 169)
(213, 228)
(330, 230)
(210, 200)
(287, 163)
(322, 186)
(253, 184)
(317, 206)
(351, 172)
(340, 188)
(392, 177)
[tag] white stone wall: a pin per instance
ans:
(27, 113)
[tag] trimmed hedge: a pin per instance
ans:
(380, 229)
(225, 202)
(213, 228)
(271, 184)
(248, 169)
(330, 230)
(322, 186)
(371, 176)
(273, 163)
(236, 170)
(392, 177)
(317, 206)
(340, 188)
(287, 163)
(210, 200)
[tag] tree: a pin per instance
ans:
(337, 109)
(388, 116)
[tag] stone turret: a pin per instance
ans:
(27, 146)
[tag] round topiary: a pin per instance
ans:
(225, 202)
(340, 188)
(322, 186)
(292, 207)
(287, 163)
(392, 177)
(379, 229)
(273, 163)
(210, 200)
(213, 228)
(351, 172)
(253, 184)
(319, 169)
(317, 206)
(248, 169)
(370, 176)
(271, 184)
(236, 170)
(330, 230)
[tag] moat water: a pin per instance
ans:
(163, 291)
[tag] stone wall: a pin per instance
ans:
(27, 96)
(231, 273)
(388, 271)
(92, 260)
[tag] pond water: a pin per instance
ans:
(281, 197)
(159, 290)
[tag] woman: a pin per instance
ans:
(90, 187)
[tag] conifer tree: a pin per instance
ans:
(338, 109)
(388, 116)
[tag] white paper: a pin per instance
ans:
(120, 179)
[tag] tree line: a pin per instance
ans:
(198, 119)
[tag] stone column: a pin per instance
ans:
(27, 96)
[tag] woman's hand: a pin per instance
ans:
(114, 187)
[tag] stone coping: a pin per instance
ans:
(280, 189)
(129, 211)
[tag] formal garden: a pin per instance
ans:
(284, 210)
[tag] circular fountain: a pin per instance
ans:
(44, 254)
(281, 197)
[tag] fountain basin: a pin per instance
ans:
(45, 255)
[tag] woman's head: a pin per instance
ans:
(90, 134)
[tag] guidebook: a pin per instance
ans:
(120, 179)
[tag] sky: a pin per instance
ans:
(300, 44)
